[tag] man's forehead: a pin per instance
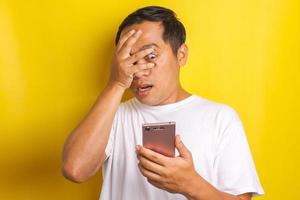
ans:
(144, 46)
(152, 35)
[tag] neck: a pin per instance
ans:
(175, 96)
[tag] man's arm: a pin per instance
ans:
(84, 150)
(178, 175)
(200, 189)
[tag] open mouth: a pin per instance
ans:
(144, 90)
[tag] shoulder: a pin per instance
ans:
(126, 106)
(218, 109)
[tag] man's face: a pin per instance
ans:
(154, 86)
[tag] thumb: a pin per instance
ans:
(183, 151)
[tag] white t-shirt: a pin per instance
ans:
(212, 132)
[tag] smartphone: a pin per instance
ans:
(160, 137)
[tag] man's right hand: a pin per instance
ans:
(125, 65)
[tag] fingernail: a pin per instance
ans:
(137, 147)
(139, 32)
(150, 64)
(132, 31)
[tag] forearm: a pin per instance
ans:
(200, 189)
(83, 153)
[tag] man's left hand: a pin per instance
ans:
(168, 173)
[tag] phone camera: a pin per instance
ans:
(147, 128)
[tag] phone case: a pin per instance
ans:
(160, 137)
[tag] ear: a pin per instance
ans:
(182, 54)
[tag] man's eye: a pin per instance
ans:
(151, 56)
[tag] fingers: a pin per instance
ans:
(183, 151)
(125, 49)
(124, 38)
(155, 183)
(125, 45)
(142, 73)
(139, 55)
(153, 156)
(150, 175)
(140, 67)
(150, 166)
(126, 65)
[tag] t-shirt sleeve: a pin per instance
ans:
(233, 164)
(111, 139)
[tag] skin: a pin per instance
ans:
(132, 68)
(166, 66)
(178, 175)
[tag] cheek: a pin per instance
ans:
(159, 70)
(164, 73)
(161, 63)
(165, 68)
(162, 76)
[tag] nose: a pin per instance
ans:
(143, 73)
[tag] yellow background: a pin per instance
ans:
(55, 59)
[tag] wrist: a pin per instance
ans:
(112, 84)
(193, 188)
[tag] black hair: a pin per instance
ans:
(174, 31)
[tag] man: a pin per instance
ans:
(214, 160)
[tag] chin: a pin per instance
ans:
(147, 100)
